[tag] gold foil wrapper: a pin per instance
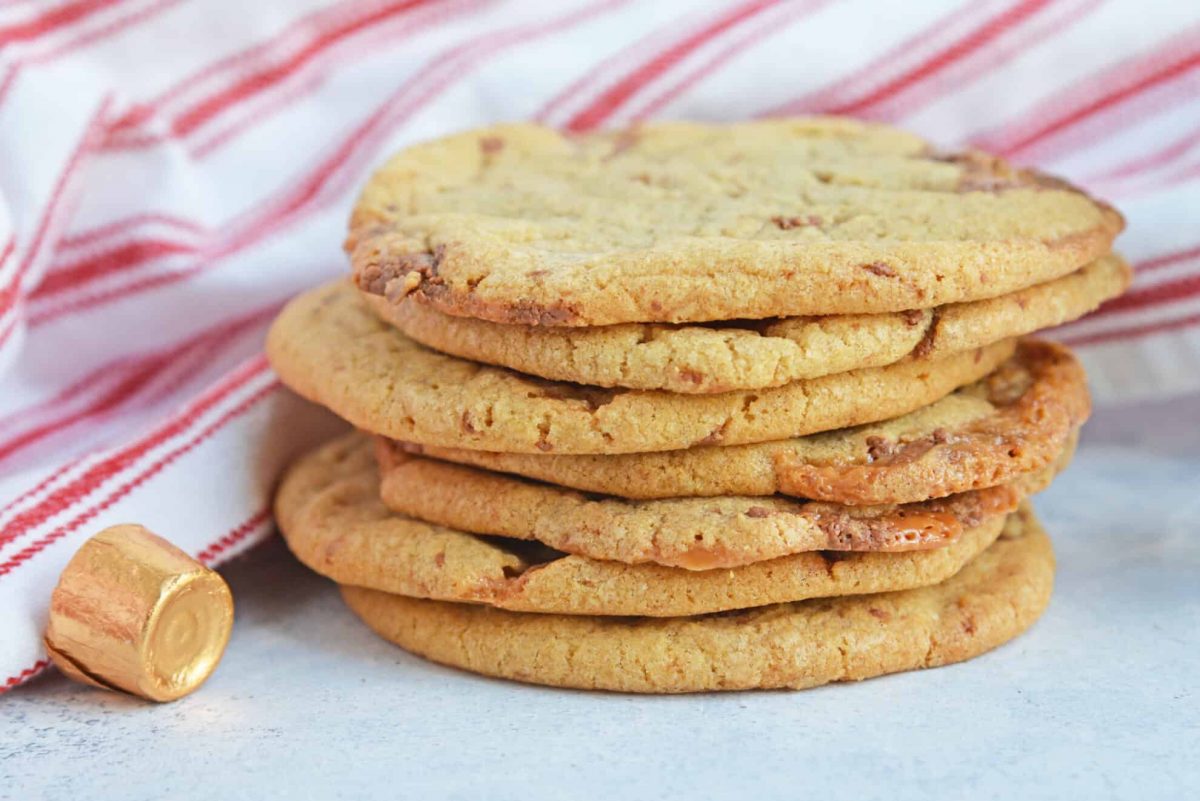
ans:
(132, 612)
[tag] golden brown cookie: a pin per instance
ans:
(998, 595)
(682, 222)
(329, 510)
(1013, 422)
(688, 533)
(704, 359)
(328, 347)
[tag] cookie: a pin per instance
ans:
(681, 222)
(329, 511)
(688, 533)
(703, 359)
(330, 348)
(998, 595)
(1013, 422)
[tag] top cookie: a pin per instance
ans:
(678, 222)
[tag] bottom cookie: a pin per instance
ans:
(994, 598)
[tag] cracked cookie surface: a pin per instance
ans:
(996, 596)
(745, 354)
(327, 346)
(329, 510)
(682, 222)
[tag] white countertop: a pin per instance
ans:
(1097, 701)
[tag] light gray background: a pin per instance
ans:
(1097, 701)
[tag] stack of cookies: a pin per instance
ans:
(694, 407)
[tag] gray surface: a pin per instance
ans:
(1097, 701)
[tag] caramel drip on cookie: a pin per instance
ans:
(904, 533)
(1038, 407)
(898, 531)
(933, 524)
(700, 559)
